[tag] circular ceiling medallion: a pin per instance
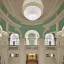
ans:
(32, 9)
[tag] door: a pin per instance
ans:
(31, 59)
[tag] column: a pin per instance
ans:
(22, 55)
(41, 51)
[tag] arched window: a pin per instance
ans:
(49, 39)
(31, 37)
(14, 39)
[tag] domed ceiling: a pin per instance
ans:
(14, 7)
(12, 19)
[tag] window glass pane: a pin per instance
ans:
(14, 39)
(49, 39)
(31, 38)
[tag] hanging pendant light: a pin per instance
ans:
(32, 9)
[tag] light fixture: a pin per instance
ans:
(52, 55)
(12, 54)
(32, 9)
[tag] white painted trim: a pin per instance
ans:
(58, 18)
(34, 32)
(9, 21)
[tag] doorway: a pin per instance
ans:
(31, 58)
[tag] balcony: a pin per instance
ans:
(13, 47)
(50, 47)
(33, 47)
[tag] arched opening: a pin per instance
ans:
(14, 39)
(49, 39)
(31, 37)
(31, 58)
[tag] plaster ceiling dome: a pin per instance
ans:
(32, 9)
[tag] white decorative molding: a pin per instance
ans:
(61, 33)
(8, 6)
(6, 18)
(57, 19)
(36, 36)
(2, 32)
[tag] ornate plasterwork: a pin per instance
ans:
(2, 32)
(61, 33)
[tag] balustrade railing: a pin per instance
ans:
(35, 47)
(11, 47)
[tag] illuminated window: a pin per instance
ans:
(49, 39)
(31, 37)
(14, 39)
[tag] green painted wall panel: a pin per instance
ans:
(60, 9)
(11, 28)
(52, 28)
(14, 19)
(49, 20)
(61, 24)
(3, 24)
(38, 28)
(4, 9)
(45, 22)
